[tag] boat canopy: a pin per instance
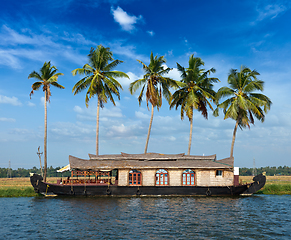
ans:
(150, 161)
(64, 169)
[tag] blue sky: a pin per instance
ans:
(225, 34)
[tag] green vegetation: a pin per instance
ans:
(100, 80)
(196, 89)
(270, 171)
(277, 189)
(244, 103)
(155, 85)
(21, 172)
(17, 192)
(46, 77)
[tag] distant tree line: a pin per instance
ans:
(270, 171)
(21, 172)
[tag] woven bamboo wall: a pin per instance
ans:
(209, 178)
(148, 177)
(202, 177)
(175, 177)
(123, 177)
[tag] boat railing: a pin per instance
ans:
(69, 181)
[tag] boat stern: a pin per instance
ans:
(35, 180)
(259, 182)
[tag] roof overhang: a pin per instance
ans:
(64, 169)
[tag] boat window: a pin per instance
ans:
(219, 173)
(135, 178)
(188, 178)
(162, 178)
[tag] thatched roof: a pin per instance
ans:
(149, 161)
(150, 157)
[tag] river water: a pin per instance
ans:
(255, 217)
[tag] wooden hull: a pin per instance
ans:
(49, 189)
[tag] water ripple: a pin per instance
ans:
(259, 216)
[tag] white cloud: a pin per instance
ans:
(67, 129)
(141, 115)
(8, 59)
(114, 112)
(91, 112)
(78, 109)
(119, 129)
(174, 74)
(30, 104)
(38, 47)
(125, 132)
(7, 119)
(42, 101)
(133, 77)
(151, 33)
(270, 11)
(78, 38)
(126, 21)
(10, 100)
(169, 53)
(11, 37)
(125, 82)
(172, 138)
(128, 51)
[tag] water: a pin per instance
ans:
(256, 217)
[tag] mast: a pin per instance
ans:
(39, 156)
(9, 170)
(254, 168)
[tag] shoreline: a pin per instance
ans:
(21, 187)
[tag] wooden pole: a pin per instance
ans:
(39, 156)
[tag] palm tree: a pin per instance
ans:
(156, 86)
(195, 92)
(244, 103)
(46, 77)
(99, 80)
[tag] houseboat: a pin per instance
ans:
(150, 174)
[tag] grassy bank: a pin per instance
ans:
(278, 185)
(21, 187)
(18, 187)
(17, 192)
(276, 189)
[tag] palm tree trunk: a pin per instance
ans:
(190, 137)
(97, 127)
(233, 137)
(149, 131)
(45, 135)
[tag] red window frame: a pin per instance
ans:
(188, 178)
(162, 177)
(135, 178)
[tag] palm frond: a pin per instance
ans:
(244, 103)
(47, 76)
(112, 65)
(36, 75)
(55, 84)
(136, 85)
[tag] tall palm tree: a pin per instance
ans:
(195, 92)
(243, 102)
(99, 80)
(46, 77)
(156, 86)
